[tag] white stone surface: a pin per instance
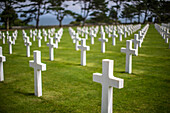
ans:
(0, 35)
(7, 34)
(10, 42)
(140, 37)
(3, 38)
(14, 37)
(39, 37)
(51, 46)
(30, 33)
(86, 33)
(92, 36)
(129, 51)
(28, 44)
(125, 30)
(136, 42)
(45, 36)
(34, 35)
(120, 34)
(83, 48)
(108, 81)
(76, 40)
(38, 67)
(103, 40)
(57, 39)
(2, 59)
(114, 35)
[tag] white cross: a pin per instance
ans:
(140, 37)
(51, 46)
(0, 35)
(39, 37)
(10, 42)
(129, 51)
(120, 35)
(108, 81)
(2, 59)
(86, 33)
(7, 34)
(83, 48)
(125, 30)
(45, 35)
(73, 35)
(38, 67)
(57, 39)
(167, 36)
(3, 36)
(34, 34)
(82, 32)
(30, 33)
(28, 44)
(101, 30)
(114, 35)
(136, 42)
(14, 37)
(24, 35)
(110, 32)
(103, 40)
(92, 36)
(76, 40)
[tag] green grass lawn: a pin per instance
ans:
(68, 87)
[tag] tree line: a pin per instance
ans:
(92, 11)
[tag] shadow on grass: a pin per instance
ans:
(125, 73)
(25, 93)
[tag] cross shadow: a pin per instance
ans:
(120, 71)
(24, 93)
(124, 72)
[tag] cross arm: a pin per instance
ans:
(31, 63)
(88, 48)
(39, 66)
(50, 45)
(42, 66)
(123, 50)
(116, 82)
(97, 77)
(2, 58)
(134, 52)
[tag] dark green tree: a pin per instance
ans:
(86, 8)
(128, 12)
(139, 9)
(118, 5)
(58, 8)
(100, 10)
(8, 16)
(112, 14)
(33, 10)
(161, 11)
(7, 13)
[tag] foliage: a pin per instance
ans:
(117, 5)
(33, 10)
(128, 12)
(8, 16)
(7, 13)
(86, 7)
(58, 9)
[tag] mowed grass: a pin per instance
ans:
(68, 87)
